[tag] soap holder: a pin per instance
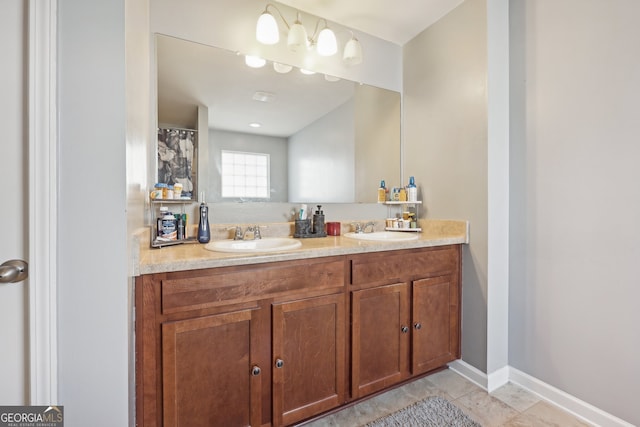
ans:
(303, 230)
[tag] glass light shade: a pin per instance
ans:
(267, 29)
(327, 44)
(352, 52)
(254, 61)
(329, 78)
(307, 72)
(297, 40)
(282, 68)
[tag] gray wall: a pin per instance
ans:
(321, 158)
(575, 199)
(92, 262)
(445, 146)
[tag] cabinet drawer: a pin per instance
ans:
(196, 290)
(404, 265)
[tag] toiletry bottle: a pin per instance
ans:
(180, 226)
(204, 233)
(382, 192)
(318, 222)
(169, 227)
(412, 190)
(163, 212)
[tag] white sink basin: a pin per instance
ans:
(383, 236)
(267, 244)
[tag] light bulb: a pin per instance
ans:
(267, 29)
(327, 44)
(297, 40)
(352, 52)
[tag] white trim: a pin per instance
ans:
(43, 368)
(544, 391)
(497, 379)
(498, 184)
(569, 403)
(471, 373)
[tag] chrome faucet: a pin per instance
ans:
(238, 234)
(359, 228)
(252, 229)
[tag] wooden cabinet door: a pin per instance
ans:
(308, 357)
(209, 378)
(435, 320)
(380, 327)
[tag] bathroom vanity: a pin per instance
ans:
(236, 340)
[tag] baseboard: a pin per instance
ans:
(569, 403)
(471, 373)
(559, 398)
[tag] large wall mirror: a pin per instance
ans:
(324, 140)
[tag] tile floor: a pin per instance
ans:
(509, 406)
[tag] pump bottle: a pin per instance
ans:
(204, 233)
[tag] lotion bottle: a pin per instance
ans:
(382, 192)
(412, 190)
(204, 233)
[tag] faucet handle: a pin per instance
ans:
(237, 235)
(256, 232)
(358, 227)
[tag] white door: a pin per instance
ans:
(14, 223)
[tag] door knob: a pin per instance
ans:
(15, 270)
(255, 370)
(279, 363)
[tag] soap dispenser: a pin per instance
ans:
(204, 232)
(318, 222)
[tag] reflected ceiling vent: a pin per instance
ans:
(264, 96)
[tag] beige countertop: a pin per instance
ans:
(193, 256)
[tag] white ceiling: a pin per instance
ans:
(396, 21)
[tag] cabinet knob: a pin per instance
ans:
(255, 370)
(405, 329)
(279, 363)
(418, 325)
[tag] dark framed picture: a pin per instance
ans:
(177, 159)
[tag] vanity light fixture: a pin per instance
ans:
(324, 42)
(352, 51)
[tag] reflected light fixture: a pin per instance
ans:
(282, 68)
(298, 40)
(254, 61)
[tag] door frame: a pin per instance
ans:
(43, 202)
